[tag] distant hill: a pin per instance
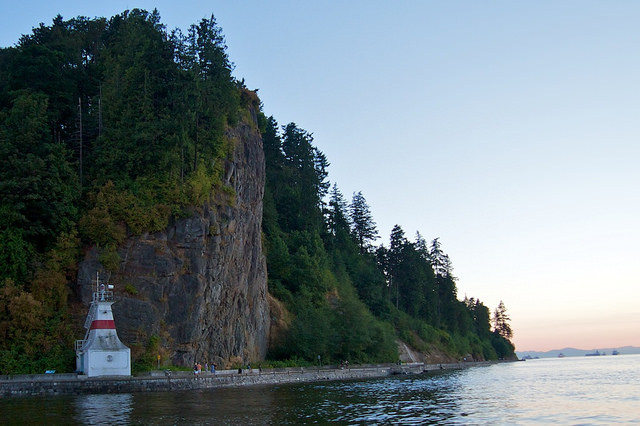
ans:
(625, 350)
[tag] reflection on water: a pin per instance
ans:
(242, 406)
(406, 400)
(109, 409)
(597, 390)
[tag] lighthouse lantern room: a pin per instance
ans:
(101, 353)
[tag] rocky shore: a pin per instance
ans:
(158, 381)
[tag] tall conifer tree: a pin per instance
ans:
(363, 227)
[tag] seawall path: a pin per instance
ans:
(157, 381)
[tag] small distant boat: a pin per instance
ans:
(561, 355)
(596, 353)
(615, 352)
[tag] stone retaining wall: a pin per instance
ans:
(156, 381)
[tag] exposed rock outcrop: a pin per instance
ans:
(433, 355)
(200, 286)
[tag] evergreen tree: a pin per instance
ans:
(38, 187)
(299, 191)
(439, 260)
(207, 50)
(363, 228)
(479, 315)
(409, 276)
(337, 213)
(396, 258)
(421, 246)
(501, 320)
(320, 166)
(138, 64)
(272, 145)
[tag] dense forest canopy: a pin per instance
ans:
(112, 127)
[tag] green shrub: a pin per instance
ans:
(147, 361)
(129, 289)
(109, 258)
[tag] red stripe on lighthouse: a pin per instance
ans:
(103, 324)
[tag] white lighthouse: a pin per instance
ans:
(101, 353)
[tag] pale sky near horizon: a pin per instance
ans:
(507, 129)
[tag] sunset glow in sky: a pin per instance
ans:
(510, 130)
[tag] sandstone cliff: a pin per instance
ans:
(201, 285)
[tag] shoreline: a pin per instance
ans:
(37, 385)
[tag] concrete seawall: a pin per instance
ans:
(157, 381)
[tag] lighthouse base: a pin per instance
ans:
(104, 363)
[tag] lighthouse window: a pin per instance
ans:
(109, 358)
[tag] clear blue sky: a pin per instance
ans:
(509, 129)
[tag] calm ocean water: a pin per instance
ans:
(587, 390)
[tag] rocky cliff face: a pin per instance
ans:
(200, 286)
